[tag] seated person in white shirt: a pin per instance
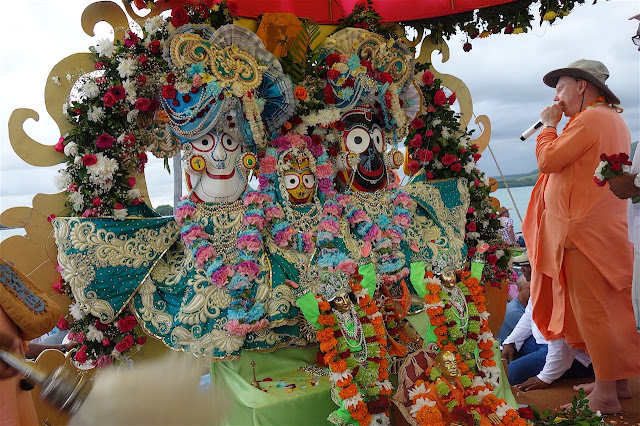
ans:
(534, 363)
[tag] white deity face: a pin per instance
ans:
(211, 167)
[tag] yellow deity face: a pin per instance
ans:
(300, 181)
(447, 365)
(341, 303)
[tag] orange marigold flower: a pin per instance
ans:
(324, 335)
(488, 363)
(485, 344)
(328, 320)
(339, 366)
(488, 354)
(324, 306)
(356, 288)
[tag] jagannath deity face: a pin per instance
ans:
(449, 278)
(211, 162)
(299, 180)
(363, 137)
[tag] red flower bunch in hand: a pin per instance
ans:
(611, 166)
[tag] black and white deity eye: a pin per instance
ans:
(229, 143)
(291, 181)
(358, 140)
(378, 139)
(205, 143)
(308, 181)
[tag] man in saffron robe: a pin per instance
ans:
(577, 233)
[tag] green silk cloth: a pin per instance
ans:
(279, 403)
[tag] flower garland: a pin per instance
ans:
(101, 344)
(245, 314)
(448, 333)
(364, 388)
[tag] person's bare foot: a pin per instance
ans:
(622, 388)
(602, 403)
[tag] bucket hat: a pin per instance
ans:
(585, 69)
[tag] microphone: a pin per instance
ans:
(531, 130)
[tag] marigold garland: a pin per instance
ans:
(360, 386)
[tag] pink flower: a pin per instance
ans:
(325, 185)
(268, 165)
(324, 171)
(105, 141)
(404, 199)
(255, 198)
(90, 213)
(203, 255)
(102, 361)
(236, 328)
(58, 287)
(221, 275)
(273, 212)
(125, 343)
(347, 266)
(183, 212)
(249, 269)
(106, 342)
(449, 159)
(402, 220)
(194, 233)
(60, 145)
(249, 242)
(255, 220)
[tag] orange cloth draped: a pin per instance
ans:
(576, 234)
(458, 395)
(16, 405)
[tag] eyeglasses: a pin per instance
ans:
(636, 39)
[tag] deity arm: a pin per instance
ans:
(308, 304)
(368, 273)
(417, 278)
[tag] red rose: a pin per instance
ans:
(131, 181)
(168, 91)
(440, 98)
(492, 259)
(416, 142)
(467, 47)
(598, 182)
(105, 141)
(141, 340)
(476, 157)
(89, 160)
(118, 92)
(414, 166)
(456, 167)
(63, 324)
(429, 133)
(99, 65)
(329, 97)
(97, 202)
(100, 325)
(125, 343)
(232, 7)
(127, 323)
(118, 206)
(106, 342)
(81, 357)
(526, 413)
(179, 16)
(333, 74)
(431, 108)
(60, 145)
(448, 159)
(429, 175)
(362, 25)
(616, 167)
(436, 149)
(142, 59)
(109, 99)
(339, 126)
(427, 78)
(143, 104)
(509, 29)
(417, 123)
(425, 155)
(154, 46)
(452, 98)
(471, 227)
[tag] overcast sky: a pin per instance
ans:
(503, 72)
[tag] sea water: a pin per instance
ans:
(521, 196)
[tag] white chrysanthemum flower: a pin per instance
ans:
(120, 214)
(501, 410)
(65, 107)
(463, 142)
(103, 170)
(77, 160)
(127, 67)
(56, 80)
(76, 312)
(437, 164)
(499, 253)
(183, 87)
(380, 419)
(153, 25)
(436, 122)
(353, 401)
(469, 167)
(599, 169)
(90, 89)
(485, 336)
(417, 390)
(129, 86)
(484, 392)
(71, 149)
(132, 115)
(63, 179)
(484, 315)
(473, 235)
(420, 403)
(485, 180)
(106, 48)
(335, 377)
(445, 132)
(76, 199)
(95, 114)
(94, 335)
(132, 194)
